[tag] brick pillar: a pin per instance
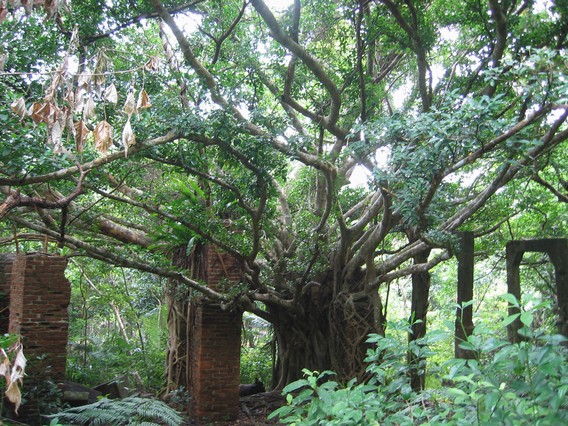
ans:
(39, 296)
(215, 344)
(6, 261)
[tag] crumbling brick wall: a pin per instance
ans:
(38, 295)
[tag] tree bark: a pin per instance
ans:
(419, 309)
(326, 332)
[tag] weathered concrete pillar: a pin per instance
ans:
(215, 344)
(38, 295)
(464, 315)
(557, 250)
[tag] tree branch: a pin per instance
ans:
(310, 61)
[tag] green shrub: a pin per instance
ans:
(256, 363)
(508, 384)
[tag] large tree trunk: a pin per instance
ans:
(178, 301)
(326, 332)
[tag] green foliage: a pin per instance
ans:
(8, 340)
(508, 384)
(99, 349)
(118, 412)
(256, 350)
(256, 363)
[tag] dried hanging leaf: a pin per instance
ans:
(55, 135)
(41, 112)
(70, 98)
(84, 80)
(19, 107)
(69, 124)
(14, 395)
(110, 94)
(128, 137)
(57, 79)
(130, 105)
(20, 361)
(81, 133)
(89, 109)
(5, 366)
(103, 136)
(15, 376)
(152, 64)
(143, 100)
(101, 66)
(79, 101)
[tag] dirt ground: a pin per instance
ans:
(254, 410)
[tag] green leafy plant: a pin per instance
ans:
(118, 412)
(507, 384)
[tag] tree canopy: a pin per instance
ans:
(147, 128)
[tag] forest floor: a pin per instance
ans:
(254, 410)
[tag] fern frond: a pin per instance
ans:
(133, 411)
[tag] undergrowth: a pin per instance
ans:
(505, 384)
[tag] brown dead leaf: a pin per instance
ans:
(89, 109)
(14, 395)
(42, 112)
(110, 94)
(55, 136)
(103, 136)
(5, 366)
(19, 364)
(81, 133)
(128, 137)
(84, 79)
(143, 100)
(130, 105)
(56, 81)
(101, 67)
(70, 99)
(152, 64)
(14, 376)
(19, 107)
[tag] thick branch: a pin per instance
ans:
(561, 197)
(310, 61)
(16, 199)
(419, 267)
(114, 258)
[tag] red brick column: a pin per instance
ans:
(215, 344)
(39, 296)
(6, 261)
